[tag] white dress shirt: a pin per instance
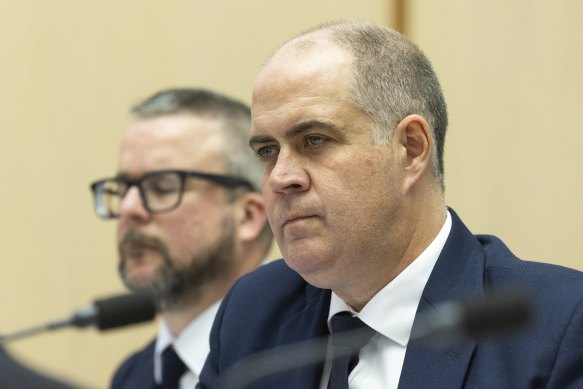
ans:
(391, 313)
(192, 346)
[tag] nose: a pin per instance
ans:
(288, 175)
(131, 206)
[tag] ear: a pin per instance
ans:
(251, 217)
(414, 137)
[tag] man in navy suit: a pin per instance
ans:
(349, 121)
(190, 223)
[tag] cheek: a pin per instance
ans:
(121, 229)
(194, 227)
(180, 228)
(362, 191)
(183, 228)
(268, 196)
(375, 173)
(196, 215)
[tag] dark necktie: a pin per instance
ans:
(346, 349)
(172, 369)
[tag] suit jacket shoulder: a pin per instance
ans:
(137, 371)
(545, 354)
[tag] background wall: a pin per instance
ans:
(71, 69)
(511, 72)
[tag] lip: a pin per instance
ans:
(296, 218)
(137, 250)
(137, 246)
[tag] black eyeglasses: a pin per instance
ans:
(161, 191)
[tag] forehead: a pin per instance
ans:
(181, 141)
(302, 82)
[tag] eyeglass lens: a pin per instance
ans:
(161, 191)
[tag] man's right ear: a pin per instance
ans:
(414, 136)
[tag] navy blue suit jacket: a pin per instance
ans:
(136, 372)
(14, 375)
(274, 306)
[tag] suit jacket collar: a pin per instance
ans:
(457, 275)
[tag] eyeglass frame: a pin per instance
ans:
(225, 180)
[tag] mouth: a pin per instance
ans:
(136, 251)
(135, 245)
(139, 251)
(296, 219)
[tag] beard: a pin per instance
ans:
(174, 285)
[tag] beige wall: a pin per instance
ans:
(511, 71)
(70, 70)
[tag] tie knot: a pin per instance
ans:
(350, 330)
(172, 368)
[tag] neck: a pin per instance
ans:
(178, 320)
(179, 316)
(420, 230)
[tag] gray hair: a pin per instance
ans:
(238, 159)
(392, 79)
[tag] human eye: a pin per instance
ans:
(266, 152)
(162, 184)
(314, 140)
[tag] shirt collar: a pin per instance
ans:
(192, 344)
(400, 297)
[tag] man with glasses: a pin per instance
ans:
(190, 223)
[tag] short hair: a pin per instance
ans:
(392, 78)
(238, 159)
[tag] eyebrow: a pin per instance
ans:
(259, 139)
(123, 175)
(295, 130)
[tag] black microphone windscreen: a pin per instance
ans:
(124, 310)
(504, 313)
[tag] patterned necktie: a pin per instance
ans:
(172, 369)
(346, 349)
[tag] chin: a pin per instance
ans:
(137, 279)
(137, 284)
(316, 270)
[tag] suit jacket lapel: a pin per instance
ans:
(308, 323)
(457, 275)
(143, 375)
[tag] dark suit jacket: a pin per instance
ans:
(136, 372)
(14, 375)
(274, 306)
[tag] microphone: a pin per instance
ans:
(499, 314)
(502, 313)
(105, 314)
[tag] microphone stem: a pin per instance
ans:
(35, 330)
